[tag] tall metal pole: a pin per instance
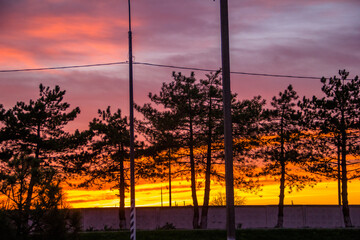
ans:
(225, 52)
(132, 161)
(339, 172)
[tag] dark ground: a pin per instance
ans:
(263, 234)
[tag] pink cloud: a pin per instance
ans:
(300, 38)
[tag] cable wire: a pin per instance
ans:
(157, 65)
(240, 73)
(61, 67)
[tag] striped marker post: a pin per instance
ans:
(133, 221)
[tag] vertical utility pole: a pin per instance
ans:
(132, 161)
(339, 172)
(225, 52)
(169, 156)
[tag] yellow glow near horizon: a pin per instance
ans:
(324, 193)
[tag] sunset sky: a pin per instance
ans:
(307, 38)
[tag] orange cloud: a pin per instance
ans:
(54, 27)
(11, 55)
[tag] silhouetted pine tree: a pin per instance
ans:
(183, 99)
(282, 147)
(160, 131)
(109, 148)
(212, 115)
(335, 118)
(33, 146)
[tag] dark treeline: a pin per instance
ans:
(297, 142)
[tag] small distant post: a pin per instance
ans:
(161, 193)
(225, 52)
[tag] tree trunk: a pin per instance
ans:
(34, 178)
(280, 222)
(169, 158)
(205, 207)
(34, 169)
(339, 170)
(345, 208)
(122, 218)
(192, 169)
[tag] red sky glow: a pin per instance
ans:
(310, 37)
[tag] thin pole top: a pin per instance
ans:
(129, 15)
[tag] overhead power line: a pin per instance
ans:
(213, 70)
(175, 67)
(156, 65)
(61, 67)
